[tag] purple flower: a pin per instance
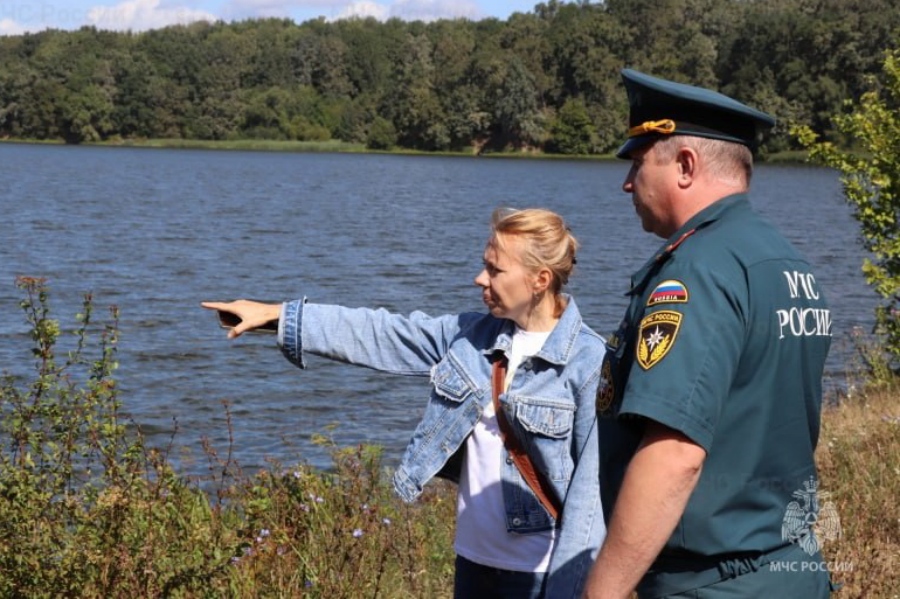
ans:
(357, 533)
(386, 521)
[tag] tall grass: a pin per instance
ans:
(87, 509)
(859, 466)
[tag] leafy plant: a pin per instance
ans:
(88, 510)
(871, 178)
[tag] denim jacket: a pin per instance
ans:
(549, 403)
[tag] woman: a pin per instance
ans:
(507, 542)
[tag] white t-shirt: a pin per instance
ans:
(481, 534)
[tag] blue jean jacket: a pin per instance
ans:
(549, 403)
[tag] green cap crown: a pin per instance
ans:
(658, 107)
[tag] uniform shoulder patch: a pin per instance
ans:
(656, 337)
(606, 392)
(669, 292)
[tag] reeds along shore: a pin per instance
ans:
(88, 510)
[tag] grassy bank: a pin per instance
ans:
(337, 146)
(859, 461)
(88, 510)
(791, 157)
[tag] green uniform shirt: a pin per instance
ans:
(724, 340)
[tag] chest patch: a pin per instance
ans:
(668, 292)
(656, 337)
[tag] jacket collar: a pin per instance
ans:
(558, 347)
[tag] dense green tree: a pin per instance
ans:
(489, 84)
(382, 135)
(414, 104)
(572, 129)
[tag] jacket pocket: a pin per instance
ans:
(549, 420)
(448, 382)
(548, 436)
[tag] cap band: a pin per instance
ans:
(665, 126)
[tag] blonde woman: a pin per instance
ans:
(514, 538)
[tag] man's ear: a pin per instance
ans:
(687, 160)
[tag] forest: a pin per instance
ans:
(546, 80)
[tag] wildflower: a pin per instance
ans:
(297, 474)
(357, 533)
(304, 507)
(308, 584)
(386, 521)
(235, 561)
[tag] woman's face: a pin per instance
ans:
(507, 285)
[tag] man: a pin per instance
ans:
(708, 415)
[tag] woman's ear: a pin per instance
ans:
(542, 280)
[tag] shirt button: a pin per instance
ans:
(527, 364)
(517, 521)
(509, 460)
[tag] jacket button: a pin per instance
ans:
(517, 521)
(509, 460)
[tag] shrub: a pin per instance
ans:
(88, 510)
(871, 178)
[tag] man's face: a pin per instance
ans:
(648, 182)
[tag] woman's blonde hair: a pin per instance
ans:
(547, 241)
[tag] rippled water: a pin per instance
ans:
(157, 231)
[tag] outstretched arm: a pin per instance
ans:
(657, 485)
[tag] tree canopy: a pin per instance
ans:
(547, 79)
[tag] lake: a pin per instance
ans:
(156, 232)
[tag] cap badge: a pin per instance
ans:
(665, 126)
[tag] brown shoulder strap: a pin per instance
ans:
(539, 484)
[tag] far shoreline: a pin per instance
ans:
(794, 157)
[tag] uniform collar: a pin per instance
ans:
(707, 216)
(711, 214)
(558, 347)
